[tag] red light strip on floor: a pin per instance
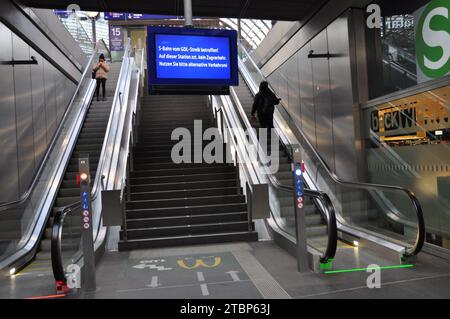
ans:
(48, 297)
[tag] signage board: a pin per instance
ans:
(113, 16)
(115, 38)
(186, 56)
(432, 40)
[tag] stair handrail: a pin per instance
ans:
(250, 178)
(420, 237)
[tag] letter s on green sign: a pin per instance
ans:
(433, 39)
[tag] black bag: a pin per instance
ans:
(94, 73)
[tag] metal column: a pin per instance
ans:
(87, 236)
(187, 13)
(300, 220)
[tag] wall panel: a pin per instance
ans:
(33, 100)
(306, 89)
(322, 100)
(59, 94)
(50, 99)
(38, 98)
(8, 136)
(24, 114)
(293, 88)
(342, 100)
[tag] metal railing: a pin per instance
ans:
(416, 247)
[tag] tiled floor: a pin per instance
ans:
(429, 278)
(241, 271)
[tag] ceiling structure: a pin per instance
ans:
(282, 10)
(390, 8)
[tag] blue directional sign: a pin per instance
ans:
(85, 199)
(62, 13)
(135, 16)
(298, 178)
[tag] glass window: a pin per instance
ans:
(411, 47)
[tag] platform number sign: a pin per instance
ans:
(298, 180)
(115, 38)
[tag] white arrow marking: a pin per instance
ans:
(200, 276)
(154, 282)
(234, 275)
(204, 289)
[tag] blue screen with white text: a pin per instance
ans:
(192, 57)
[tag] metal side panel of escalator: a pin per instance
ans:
(357, 208)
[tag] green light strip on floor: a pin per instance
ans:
(365, 269)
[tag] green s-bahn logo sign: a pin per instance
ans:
(433, 39)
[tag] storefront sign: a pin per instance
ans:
(411, 117)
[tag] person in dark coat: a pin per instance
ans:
(264, 106)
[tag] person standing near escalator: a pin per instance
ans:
(101, 70)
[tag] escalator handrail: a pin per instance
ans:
(420, 238)
(56, 251)
(26, 195)
(96, 187)
(330, 218)
(56, 240)
(323, 197)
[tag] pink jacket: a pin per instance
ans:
(102, 70)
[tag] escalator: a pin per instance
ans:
(364, 212)
(316, 221)
(99, 129)
(89, 142)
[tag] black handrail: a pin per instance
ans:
(56, 250)
(323, 197)
(330, 252)
(420, 238)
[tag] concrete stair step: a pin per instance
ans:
(188, 240)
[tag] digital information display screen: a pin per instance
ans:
(182, 56)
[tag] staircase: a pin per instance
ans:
(179, 204)
(317, 233)
(90, 141)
